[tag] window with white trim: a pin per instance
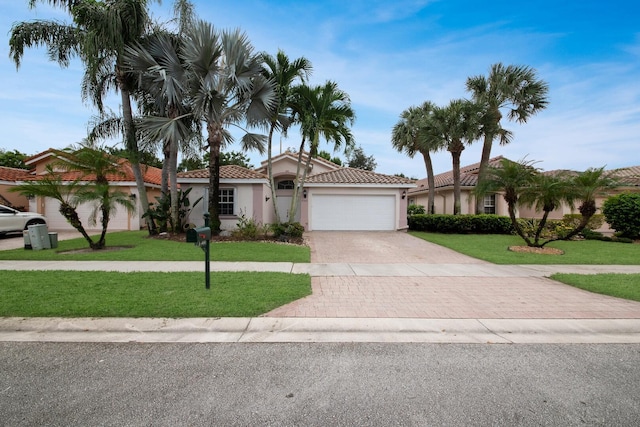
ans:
(286, 184)
(490, 204)
(227, 201)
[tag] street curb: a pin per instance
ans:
(320, 330)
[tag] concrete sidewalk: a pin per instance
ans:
(327, 269)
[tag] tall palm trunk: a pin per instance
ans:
(484, 164)
(456, 151)
(300, 179)
(431, 182)
(132, 147)
(173, 185)
(272, 183)
(215, 143)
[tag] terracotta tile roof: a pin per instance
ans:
(13, 174)
(263, 164)
(226, 172)
(151, 174)
(468, 176)
(356, 176)
(628, 176)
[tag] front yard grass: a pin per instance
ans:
(137, 246)
(625, 286)
(175, 295)
(495, 248)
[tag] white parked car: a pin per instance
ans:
(12, 220)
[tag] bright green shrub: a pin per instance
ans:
(414, 209)
(287, 229)
(622, 212)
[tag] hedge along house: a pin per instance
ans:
(443, 201)
(124, 182)
(333, 197)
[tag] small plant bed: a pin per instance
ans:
(530, 250)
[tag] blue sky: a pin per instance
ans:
(388, 56)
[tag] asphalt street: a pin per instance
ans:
(312, 384)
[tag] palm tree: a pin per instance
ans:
(91, 168)
(515, 88)
(546, 192)
(98, 36)
(586, 186)
(167, 117)
(284, 73)
(226, 88)
(322, 112)
(456, 125)
(52, 185)
(510, 178)
(97, 167)
(412, 135)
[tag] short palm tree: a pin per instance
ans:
(98, 36)
(322, 112)
(510, 178)
(284, 73)
(515, 88)
(412, 134)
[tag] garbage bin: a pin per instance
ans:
(53, 239)
(27, 240)
(39, 237)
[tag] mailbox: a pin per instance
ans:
(203, 234)
(198, 235)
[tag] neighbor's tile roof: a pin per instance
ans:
(628, 176)
(226, 172)
(13, 174)
(151, 174)
(356, 176)
(468, 176)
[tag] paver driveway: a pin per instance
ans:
(459, 295)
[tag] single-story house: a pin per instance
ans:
(333, 197)
(443, 201)
(494, 203)
(125, 183)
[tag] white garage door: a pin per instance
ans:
(55, 220)
(353, 212)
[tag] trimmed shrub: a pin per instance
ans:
(573, 220)
(414, 209)
(622, 212)
(461, 224)
(286, 230)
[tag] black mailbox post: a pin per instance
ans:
(201, 236)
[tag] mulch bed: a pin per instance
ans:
(545, 250)
(182, 237)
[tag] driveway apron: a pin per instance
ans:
(454, 295)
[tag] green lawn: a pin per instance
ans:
(143, 248)
(110, 294)
(625, 286)
(495, 248)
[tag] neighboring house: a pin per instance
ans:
(333, 197)
(493, 203)
(8, 179)
(125, 183)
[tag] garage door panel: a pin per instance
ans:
(353, 212)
